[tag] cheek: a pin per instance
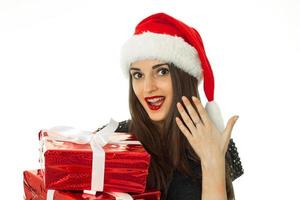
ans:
(167, 87)
(137, 91)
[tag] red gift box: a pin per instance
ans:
(68, 165)
(34, 189)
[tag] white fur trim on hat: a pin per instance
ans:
(162, 47)
(215, 115)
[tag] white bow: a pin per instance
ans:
(96, 139)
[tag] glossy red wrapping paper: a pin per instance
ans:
(34, 189)
(68, 166)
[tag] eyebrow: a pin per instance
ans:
(153, 67)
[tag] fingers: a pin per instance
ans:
(201, 110)
(187, 120)
(183, 129)
(194, 115)
(228, 130)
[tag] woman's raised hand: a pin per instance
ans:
(206, 140)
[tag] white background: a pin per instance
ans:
(59, 65)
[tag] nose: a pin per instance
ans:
(150, 84)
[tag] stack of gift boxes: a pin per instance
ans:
(103, 165)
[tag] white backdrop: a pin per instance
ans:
(59, 65)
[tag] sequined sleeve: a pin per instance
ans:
(123, 126)
(232, 157)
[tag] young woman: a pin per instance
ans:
(193, 156)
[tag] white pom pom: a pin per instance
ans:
(215, 115)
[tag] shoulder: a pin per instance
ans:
(123, 126)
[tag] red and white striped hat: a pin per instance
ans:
(165, 38)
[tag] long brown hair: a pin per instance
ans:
(168, 148)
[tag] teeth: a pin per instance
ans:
(155, 100)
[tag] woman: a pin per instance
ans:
(191, 159)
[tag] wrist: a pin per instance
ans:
(214, 181)
(212, 165)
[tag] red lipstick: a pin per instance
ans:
(155, 102)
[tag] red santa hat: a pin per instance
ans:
(165, 38)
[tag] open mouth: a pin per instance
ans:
(155, 103)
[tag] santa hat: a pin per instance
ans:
(165, 38)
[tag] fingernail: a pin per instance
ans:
(236, 117)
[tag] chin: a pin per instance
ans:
(157, 119)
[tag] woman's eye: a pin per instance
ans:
(136, 75)
(163, 71)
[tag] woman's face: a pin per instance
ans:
(152, 84)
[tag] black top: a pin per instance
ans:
(184, 187)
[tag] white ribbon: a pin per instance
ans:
(121, 195)
(96, 140)
(50, 194)
(117, 195)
